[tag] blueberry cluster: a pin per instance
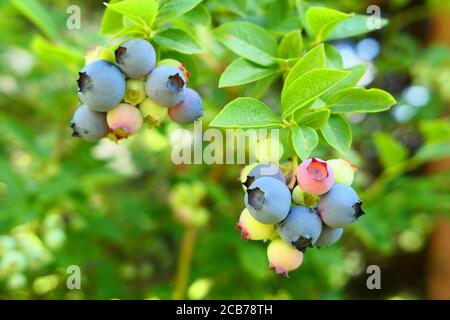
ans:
(314, 213)
(118, 98)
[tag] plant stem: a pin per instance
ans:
(184, 263)
(294, 165)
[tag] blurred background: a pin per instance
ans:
(140, 227)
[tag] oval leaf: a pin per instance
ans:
(333, 57)
(309, 87)
(170, 9)
(199, 15)
(390, 152)
(313, 59)
(337, 133)
(249, 41)
(245, 113)
(316, 119)
(351, 80)
(360, 100)
(241, 71)
(38, 14)
(177, 40)
(291, 45)
(304, 140)
(139, 11)
(354, 26)
(322, 20)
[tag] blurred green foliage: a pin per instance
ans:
(120, 212)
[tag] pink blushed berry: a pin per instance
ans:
(123, 121)
(315, 176)
(283, 258)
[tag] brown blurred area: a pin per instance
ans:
(438, 255)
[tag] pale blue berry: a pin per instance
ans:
(136, 58)
(301, 228)
(88, 125)
(101, 85)
(329, 236)
(189, 110)
(268, 200)
(166, 86)
(340, 206)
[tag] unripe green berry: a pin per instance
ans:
(244, 173)
(344, 171)
(100, 53)
(282, 257)
(153, 113)
(300, 197)
(268, 150)
(252, 229)
(135, 92)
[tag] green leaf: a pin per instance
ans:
(236, 6)
(309, 87)
(242, 71)
(354, 26)
(112, 21)
(199, 15)
(316, 119)
(351, 80)
(390, 151)
(337, 133)
(249, 41)
(435, 131)
(313, 59)
(177, 40)
(37, 14)
(334, 58)
(304, 140)
(262, 86)
(360, 100)
(432, 152)
(170, 9)
(141, 12)
(321, 21)
(57, 53)
(291, 45)
(246, 113)
(302, 7)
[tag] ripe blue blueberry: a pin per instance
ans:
(268, 200)
(264, 170)
(165, 86)
(340, 206)
(189, 110)
(89, 125)
(301, 228)
(329, 236)
(136, 58)
(101, 85)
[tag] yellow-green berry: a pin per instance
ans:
(252, 229)
(344, 171)
(135, 92)
(153, 113)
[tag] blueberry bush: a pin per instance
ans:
(369, 96)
